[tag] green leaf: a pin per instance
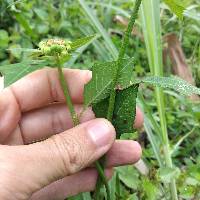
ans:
(100, 109)
(151, 190)
(176, 7)
(26, 25)
(172, 82)
(4, 38)
(129, 136)
(100, 86)
(23, 50)
(82, 196)
(82, 41)
(125, 74)
(125, 109)
(13, 72)
(129, 176)
(187, 192)
(167, 174)
(133, 197)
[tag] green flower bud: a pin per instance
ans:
(55, 47)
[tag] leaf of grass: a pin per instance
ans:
(97, 24)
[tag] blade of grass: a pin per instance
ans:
(177, 145)
(149, 121)
(150, 14)
(97, 24)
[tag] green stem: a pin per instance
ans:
(76, 121)
(152, 33)
(124, 45)
(68, 100)
(103, 178)
(122, 51)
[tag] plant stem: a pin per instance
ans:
(68, 100)
(125, 42)
(152, 33)
(103, 178)
(122, 51)
(76, 121)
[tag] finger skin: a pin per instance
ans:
(43, 123)
(139, 118)
(83, 181)
(123, 152)
(37, 90)
(9, 114)
(42, 87)
(55, 158)
(57, 119)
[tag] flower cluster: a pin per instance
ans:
(55, 47)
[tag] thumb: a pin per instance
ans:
(39, 164)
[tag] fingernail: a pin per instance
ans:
(88, 75)
(101, 132)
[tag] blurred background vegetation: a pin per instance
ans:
(23, 24)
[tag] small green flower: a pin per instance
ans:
(55, 47)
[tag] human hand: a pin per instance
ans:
(59, 164)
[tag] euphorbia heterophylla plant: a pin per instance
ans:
(112, 92)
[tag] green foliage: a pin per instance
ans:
(176, 7)
(167, 174)
(25, 23)
(4, 38)
(81, 42)
(99, 87)
(14, 72)
(47, 52)
(150, 190)
(125, 110)
(174, 83)
(129, 176)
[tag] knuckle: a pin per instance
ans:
(69, 152)
(53, 85)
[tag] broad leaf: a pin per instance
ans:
(176, 7)
(150, 189)
(124, 112)
(4, 39)
(126, 71)
(129, 176)
(13, 72)
(100, 86)
(82, 41)
(100, 109)
(125, 109)
(167, 174)
(172, 82)
(133, 197)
